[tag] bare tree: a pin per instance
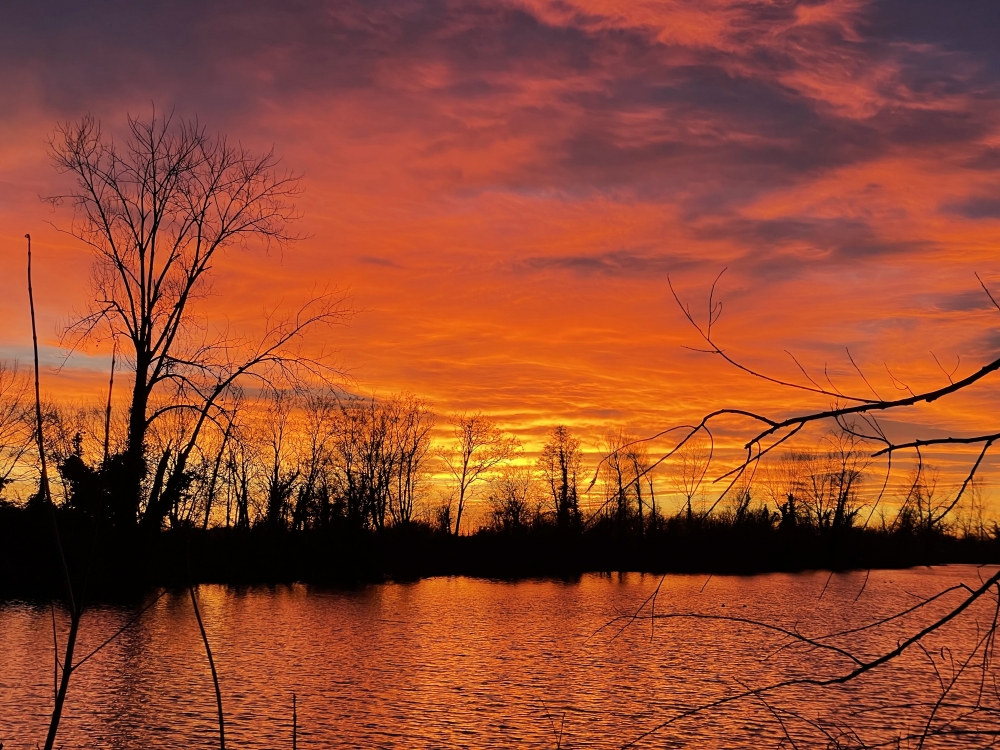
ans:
(560, 463)
(155, 209)
(415, 421)
(637, 456)
(366, 459)
(740, 500)
(616, 473)
(846, 465)
(973, 520)
(627, 477)
(691, 461)
(855, 417)
(279, 475)
(511, 498)
(213, 456)
(479, 447)
(378, 452)
(320, 412)
(240, 472)
(781, 481)
(16, 428)
(272, 363)
(921, 509)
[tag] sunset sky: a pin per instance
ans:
(503, 189)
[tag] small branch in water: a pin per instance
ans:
(45, 497)
(211, 664)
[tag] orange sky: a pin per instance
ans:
(503, 188)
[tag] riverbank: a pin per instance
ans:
(108, 562)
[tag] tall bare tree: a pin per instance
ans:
(560, 463)
(781, 482)
(923, 507)
(415, 421)
(691, 460)
(240, 471)
(479, 447)
(16, 429)
(512, 496)
(835, 480)
(313, 501)
(280, 474)
(637, 455)
(616, 475)
(155, 208)
(366, 458)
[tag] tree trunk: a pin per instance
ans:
(127, 506)
(638, 499)
(461, 507)
(562, 515)
(159, 504)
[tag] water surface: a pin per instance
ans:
(457, 662)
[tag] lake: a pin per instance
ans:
(470, 663)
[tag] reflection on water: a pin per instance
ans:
(456, 662)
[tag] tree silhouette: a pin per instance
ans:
(479, 447)
(692, 459)
(16, 430)
(155, 209)
(560, 463)
(511, 498)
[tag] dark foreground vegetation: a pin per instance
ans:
(121, 563)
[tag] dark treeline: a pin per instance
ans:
(326, 486)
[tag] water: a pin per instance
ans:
(456, 662)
